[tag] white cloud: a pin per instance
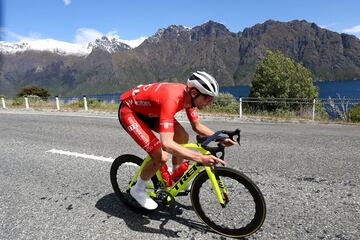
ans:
(86, 35)
(7, 34)
(67, 2)
(355, 29)
(34, 36)
(328, 25)
(133, 43)
(112, 34)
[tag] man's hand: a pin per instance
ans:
(211, 160)
(228, 142)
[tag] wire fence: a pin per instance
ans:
(314, 109)
(319, 108)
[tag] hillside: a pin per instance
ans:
(173, 52)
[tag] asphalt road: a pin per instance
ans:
(308, 173)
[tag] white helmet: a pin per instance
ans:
(204, 82)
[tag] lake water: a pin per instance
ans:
(344, 88)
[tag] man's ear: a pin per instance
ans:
(193, 92)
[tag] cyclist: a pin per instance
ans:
(153, 107)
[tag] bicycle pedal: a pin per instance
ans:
(165, 197)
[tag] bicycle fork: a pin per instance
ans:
(218, 186)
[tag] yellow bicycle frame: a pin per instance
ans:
(192, 171)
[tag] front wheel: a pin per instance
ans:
(244, 210)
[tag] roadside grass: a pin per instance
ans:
(223, 106)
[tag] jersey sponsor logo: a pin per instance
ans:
(143, 103)
(143, 138)
(129, 102)
(146, 87)
(143, 87)
(131, 120)
(132, 127)
(152, 145)
(158, 86)
(135, 91)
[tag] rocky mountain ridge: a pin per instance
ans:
(172, 53)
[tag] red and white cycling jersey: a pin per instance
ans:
(162, 100)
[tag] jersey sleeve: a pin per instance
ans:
(167, 115)
(191, 114)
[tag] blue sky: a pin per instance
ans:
(78, 21)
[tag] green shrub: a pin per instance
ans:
(18, 101)
(354, 113)
(35, 99)
(224, 103)
(223, 100)
(320, 112)
(91, 103)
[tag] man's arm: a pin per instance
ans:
(200, 128)
(169, 145)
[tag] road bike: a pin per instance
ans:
(225, 199)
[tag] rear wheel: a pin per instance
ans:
(244, 211)
(122, 170)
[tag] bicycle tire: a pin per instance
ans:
(233, 180)
(132, 163)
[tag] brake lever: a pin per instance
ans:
(214, 150)
(231, 135)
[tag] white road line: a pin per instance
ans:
(66, 114)
(82, 155)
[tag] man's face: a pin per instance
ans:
(202, 100)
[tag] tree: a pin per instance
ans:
(278, 76)
(33, 90)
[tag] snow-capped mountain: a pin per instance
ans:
(110, 45)
(64, 48)
(51, 45)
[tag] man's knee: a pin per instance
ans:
(181, 136)
(185, 137)
(159, 156)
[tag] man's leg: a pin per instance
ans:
(158, 158)
(146, 139)
(138, 190)
(181, 137)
